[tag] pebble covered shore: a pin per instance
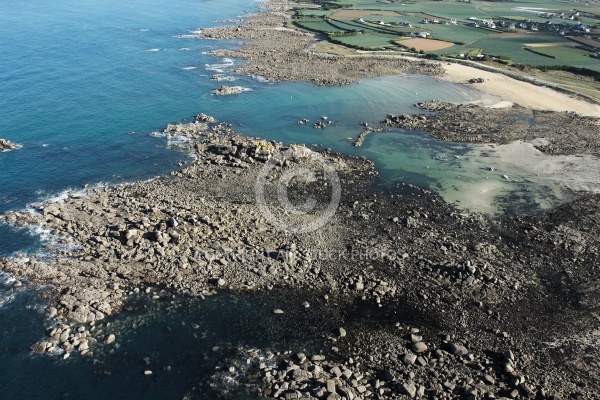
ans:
(558, 133)
(277, 53)
(503, 303)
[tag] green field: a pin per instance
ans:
(318, 26)
(478, 9)
(366, 41)
(569, 55)
(348, 26)
(369, 28)
(564, 53)
(519, 51)
(311, 12)
(469, 39)
(457, 34)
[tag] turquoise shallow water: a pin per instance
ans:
(83, 84)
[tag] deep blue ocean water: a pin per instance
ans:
(83, 84)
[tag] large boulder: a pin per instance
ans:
(225, 90)
(6, 145)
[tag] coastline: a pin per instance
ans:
(484, 285)
(282, 54)
(200, 231)
(277, 53)
(501, 90)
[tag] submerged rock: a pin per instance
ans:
(226, 90)
(40, 347)
(6, 145)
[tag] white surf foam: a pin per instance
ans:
(219, 78)
(243, 89)
(220, 67)
(60, 196)
(17, 147)
(5, 299)
(6, 279)
(177, 141)
(261, 79)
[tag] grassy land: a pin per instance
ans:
(527, 50)
(332, 48)
(520, 46)
(570, 55)
(366, 41)
(318, 26)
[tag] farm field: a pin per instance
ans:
(425, 44)
(318, 26)
(351, 14)
(311, 12)
(564, 53)
(534, 33)
(366, 41)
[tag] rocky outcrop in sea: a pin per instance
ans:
(227, 90)
(6, 145)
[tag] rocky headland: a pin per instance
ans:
(562, 132)
(501, 307)
(278, 53)
(552, 132)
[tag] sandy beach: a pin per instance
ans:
(498, 87)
